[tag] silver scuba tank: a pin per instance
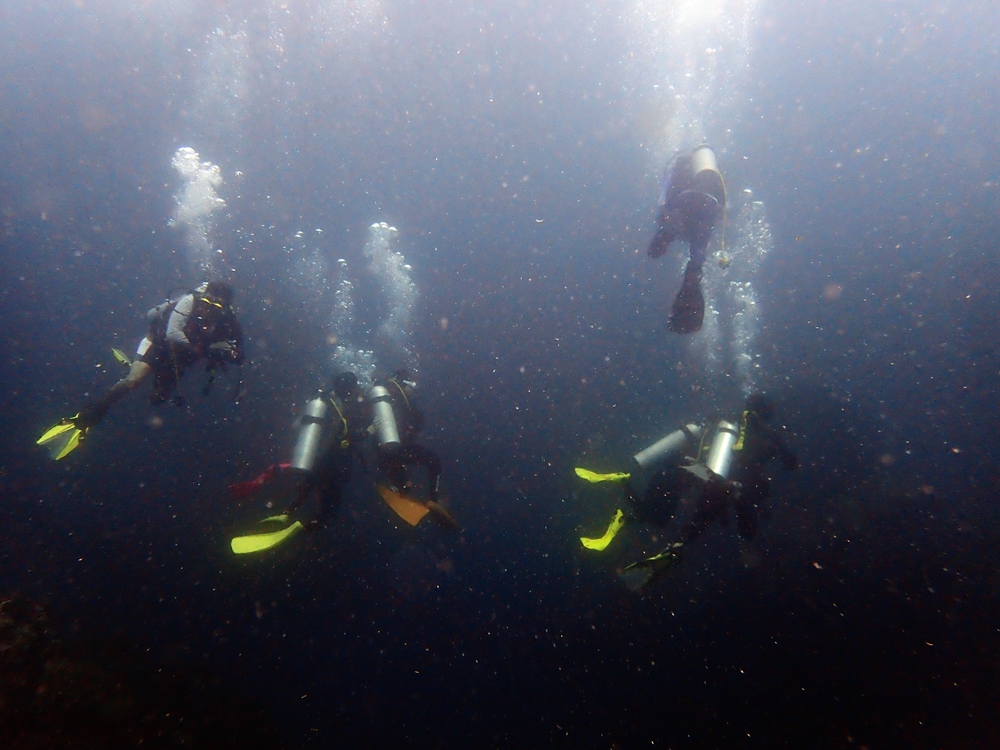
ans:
(720, 455)
(385, 421)
(670, 446)
(705, 174)
(310, 439)
(155, 312)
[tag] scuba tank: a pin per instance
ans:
(705, 175)
(720, 455)
(385, 420)
(310, 434)
(173, 297)
(155, 313)
(669, 446)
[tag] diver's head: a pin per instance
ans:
(345, 385)
(218, 293)
(760, 405)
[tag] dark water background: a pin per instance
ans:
(867, 615)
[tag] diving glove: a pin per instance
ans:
(225, 351)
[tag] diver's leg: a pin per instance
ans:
(699, 246)
(163, 384)
(666, 232)
(94, 412)
(336, 474)
(307, 482)
(752, 503)
(659, 501)
(696, 527)
(417, 455)
(165, 370)
(391, 466)
(633, 503)
(329, 502)
(746, 518)
(711, 506)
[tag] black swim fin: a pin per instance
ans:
(689, 305)
(443, 516)
(640, 574)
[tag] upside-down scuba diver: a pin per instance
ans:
(692, 201)
(398, 420)
(333, 432)
(331, 435)
(710, 470)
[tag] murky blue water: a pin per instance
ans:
(514, 153)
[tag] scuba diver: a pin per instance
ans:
(332, 432)
(730, 472)
(200, 324)
(398, 420)
(691, 202)
(757, 443)
(655, 504)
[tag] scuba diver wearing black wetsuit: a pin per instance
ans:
(395, 455)
(332, 433)
(349, 418)
(727, 470)
(761, 444)
(692, 201)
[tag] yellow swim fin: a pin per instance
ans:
(63, 438)
(602, 543)
(243, 545)
(593, 477)
(122, 357)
